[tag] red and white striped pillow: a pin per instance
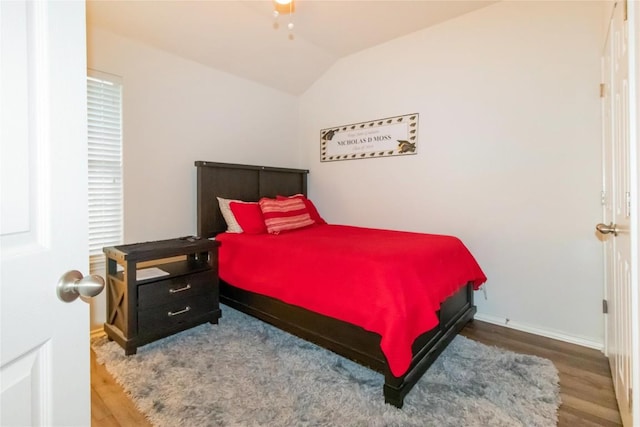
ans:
(284, 215)
(311, 208)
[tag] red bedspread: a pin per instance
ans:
(388, 282)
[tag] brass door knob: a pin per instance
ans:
(607, 229)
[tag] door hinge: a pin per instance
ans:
(630, 398)
(628, 202)
(605, 306)
(603, 197)
(625, 11)
(602, 89)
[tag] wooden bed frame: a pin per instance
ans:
(250, 183)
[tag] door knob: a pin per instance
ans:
(606, 229)
(72, 284)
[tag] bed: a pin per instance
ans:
(365, 342)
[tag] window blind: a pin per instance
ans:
(104, 102)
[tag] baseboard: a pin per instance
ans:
(538, 331)
(99, 332)
(96, 333)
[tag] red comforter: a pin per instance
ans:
(388, 282)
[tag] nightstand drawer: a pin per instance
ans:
(171, 316)
(176, 288)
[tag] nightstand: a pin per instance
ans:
(156, 289)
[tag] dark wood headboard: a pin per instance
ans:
(240, 182)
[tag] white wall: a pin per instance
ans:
(508, 153)
(175, 112)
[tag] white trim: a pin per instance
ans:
(556, 335)
(634, 141)
(101, 75)
(99, 332)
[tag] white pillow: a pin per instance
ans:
(230, 219)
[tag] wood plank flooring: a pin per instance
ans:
(585, 381)
(110, 406)
(586, 387)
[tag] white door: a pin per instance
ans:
(617, 210)
(44, 354)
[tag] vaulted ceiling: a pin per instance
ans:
(241, 37)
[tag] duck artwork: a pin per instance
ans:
(406, 146)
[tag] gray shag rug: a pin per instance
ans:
(244, 372)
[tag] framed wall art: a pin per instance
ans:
(392, 136)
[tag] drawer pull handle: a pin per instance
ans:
(175, 313)
(184, 288)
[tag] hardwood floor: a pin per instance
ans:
(585, 381)
(110, 406)
(586, 387)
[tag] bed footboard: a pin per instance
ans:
(454, 314)
(353, 342)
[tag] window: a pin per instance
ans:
(104, 104)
